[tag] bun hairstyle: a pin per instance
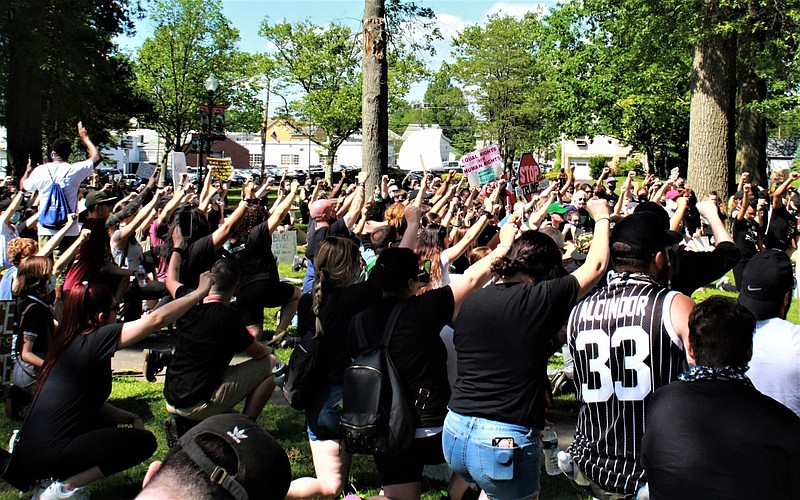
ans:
(533, 254)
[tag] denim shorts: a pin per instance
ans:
(325, 414)
(501, 471)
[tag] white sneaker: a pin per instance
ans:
(56, 490)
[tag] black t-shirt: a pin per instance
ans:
(318, 234)
(691, 270)
(209, 335)
(255, 257)
(720, 439)
(503, 337)
(36, 320)
(77, 386)
(745, 235)
(339, 305)
(416, 349)
(782, 229)
(200, 256)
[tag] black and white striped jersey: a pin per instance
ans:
(624, 347)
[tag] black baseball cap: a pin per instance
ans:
(765, 281)
(98, 198)
(644, 231)
(263, 470)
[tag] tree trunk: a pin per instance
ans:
(24, 87)
(751, 127)
(711, 121)
(375, 95)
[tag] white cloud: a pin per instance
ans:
(516, 9)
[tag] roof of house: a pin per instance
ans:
(782, 148)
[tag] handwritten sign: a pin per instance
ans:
(284, 246)
(7, 308)
(145, 170)
(178, 167)
(222, 168)
(482, 166)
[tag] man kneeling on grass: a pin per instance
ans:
(200, 381)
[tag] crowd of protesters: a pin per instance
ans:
(482, 286)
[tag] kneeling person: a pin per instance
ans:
(200, 381)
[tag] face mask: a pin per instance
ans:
(672, 204)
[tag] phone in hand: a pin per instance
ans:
(185, 223)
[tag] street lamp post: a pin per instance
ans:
(206, 128)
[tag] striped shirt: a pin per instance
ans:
(624, 347)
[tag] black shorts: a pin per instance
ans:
(406, 467)
(255, 296)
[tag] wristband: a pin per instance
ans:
(504, 245)
(133, 417)
(360, 184)
(179, 251)
(603, 218)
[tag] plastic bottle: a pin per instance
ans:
(567, 466)
(279, 373)
(550, 449)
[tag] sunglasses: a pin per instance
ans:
(424, 275)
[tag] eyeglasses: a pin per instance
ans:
(424, 275)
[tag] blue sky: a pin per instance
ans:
(452, 15)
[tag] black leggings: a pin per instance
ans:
(111, 449)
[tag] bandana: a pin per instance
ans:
(700, 373)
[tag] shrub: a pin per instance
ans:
(634, 164)
(596, 166)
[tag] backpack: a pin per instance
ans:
(376, 415)
(301, 386)
(56, 208)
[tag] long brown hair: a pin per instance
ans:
(337, 264)
(33, 274)
(82, 304)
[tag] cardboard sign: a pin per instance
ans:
(482, 166)
(284, 246)
(222, 168)
(528, 174)
(178, 167)
(528, 190)
(7, 309)
(145, 170)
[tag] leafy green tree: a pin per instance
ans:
(446, 105)
(192, 39)
(59, 65)
(498, 62)
(324, 64)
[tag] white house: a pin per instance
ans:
(3, 151)
(580, 150)
(424, 146)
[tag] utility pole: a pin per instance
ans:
(375, 94)
(264, 132)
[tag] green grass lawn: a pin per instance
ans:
(288, 426)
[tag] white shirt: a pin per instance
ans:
(69, 176)
(775, 367)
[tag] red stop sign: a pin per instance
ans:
(528, 169)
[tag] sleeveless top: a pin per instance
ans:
(625, 348)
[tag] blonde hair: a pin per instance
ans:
(19, 248)
(337, 264)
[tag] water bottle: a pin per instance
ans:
(567, 466)
(550, 449)
(279, 373)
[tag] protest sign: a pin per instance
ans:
(284, 246)
(222, 168)
(7, 308)
(482, 166)
(145, 170)
(178, 167)
(528, 174)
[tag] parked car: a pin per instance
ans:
(131, 180)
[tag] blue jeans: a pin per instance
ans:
(501, 472)
(324, 416)
(308, 279)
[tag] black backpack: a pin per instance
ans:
(301, 384)
(376, 415)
